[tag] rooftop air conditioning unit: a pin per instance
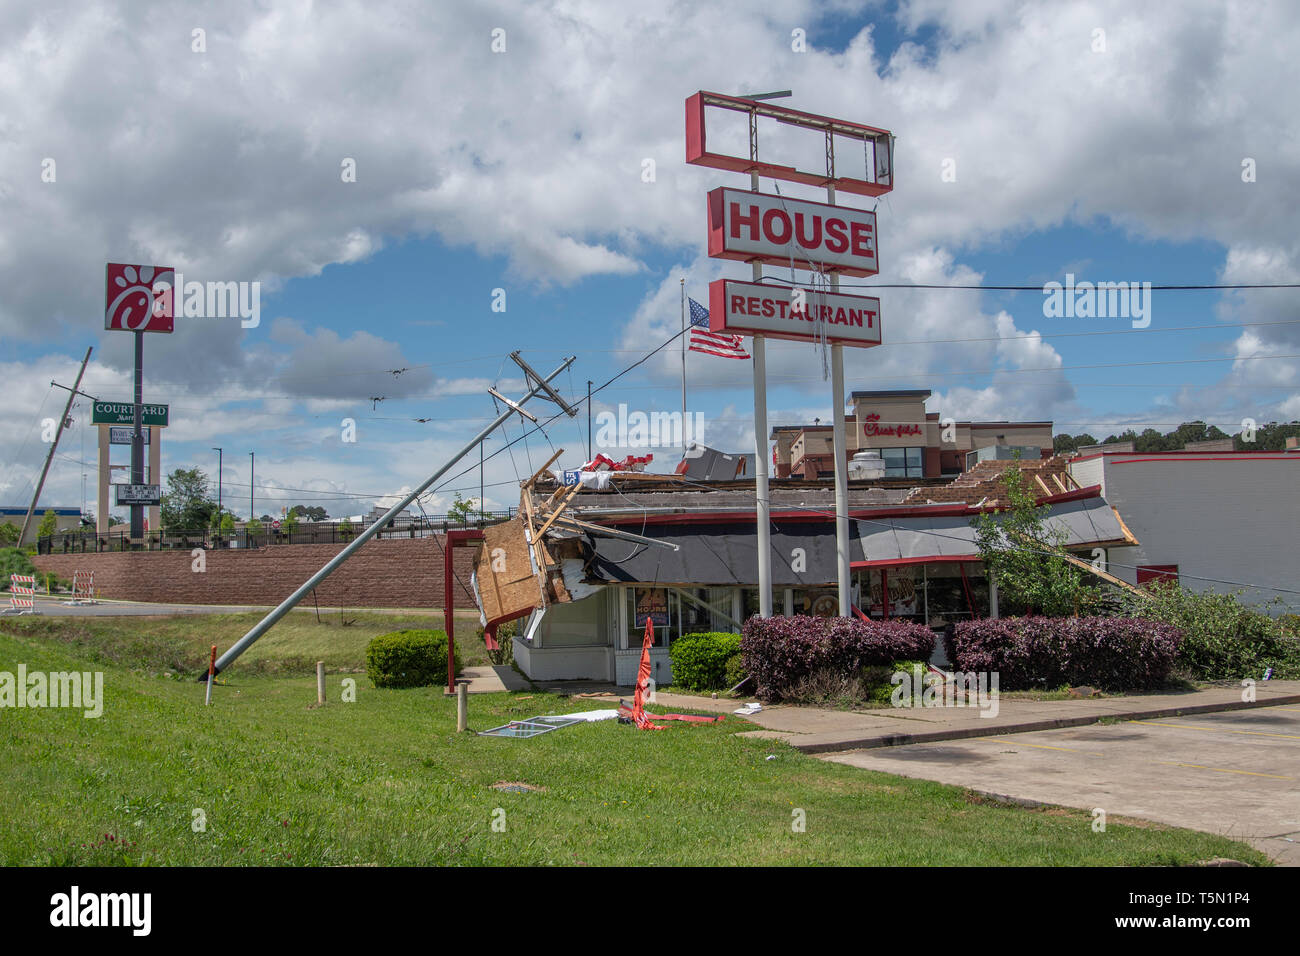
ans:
(866, 464)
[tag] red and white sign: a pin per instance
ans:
(752, 226)
(781, 312)
(878, 144)
(138, 298)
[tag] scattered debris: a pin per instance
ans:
(529, 728)
(1084, 691)
(753, 707)
(515, 786)
(770, 757)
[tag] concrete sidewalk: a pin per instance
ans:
(813, 730)
(824, 731)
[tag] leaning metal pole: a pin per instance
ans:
(267, 622)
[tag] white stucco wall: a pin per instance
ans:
(1230, 518)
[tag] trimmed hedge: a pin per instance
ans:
(700, 660)
(415, 658)
(1031, 652)
(780, 652)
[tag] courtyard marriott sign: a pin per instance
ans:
(123, 413)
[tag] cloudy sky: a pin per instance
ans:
(504, 146)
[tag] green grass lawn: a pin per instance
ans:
(387, 780)
(293, 646)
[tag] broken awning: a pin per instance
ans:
(1091, 522)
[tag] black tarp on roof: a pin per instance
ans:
(718, 554)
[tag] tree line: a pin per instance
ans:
(1269, 437)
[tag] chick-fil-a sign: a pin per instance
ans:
(871, 426)
(757, 227)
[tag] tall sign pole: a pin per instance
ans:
(840, 443)
(31, 509)
(137, 439)
(762, 499)
(824, 238)
(138, 299)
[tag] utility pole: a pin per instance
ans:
(588, 419)
(540, 385)
(22, 535)
(252, 462)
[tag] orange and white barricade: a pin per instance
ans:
(83, 588)
(22, 588)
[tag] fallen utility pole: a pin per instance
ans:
(264, 625)
(31, 509)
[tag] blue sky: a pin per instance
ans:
(1116, 164)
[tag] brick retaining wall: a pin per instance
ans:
(401, 572)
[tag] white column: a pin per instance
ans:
(842, 557)
(763, 508)
(101, 497)
(155, 475)
(840, 442)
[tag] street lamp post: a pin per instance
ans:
(219, 454)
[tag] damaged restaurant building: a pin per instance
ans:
(583, 565)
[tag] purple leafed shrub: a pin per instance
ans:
(778, 652)
(1029, 652)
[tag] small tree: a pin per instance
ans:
(345, 529)
(461, 509)
(1016, 546)
(227, 525)
(187, 506)
(289, 524)
(9, 534)
(253, 526)
(49, 524)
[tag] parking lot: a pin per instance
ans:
(1235, 773)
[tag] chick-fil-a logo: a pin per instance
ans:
(131, 301)
(873, 427)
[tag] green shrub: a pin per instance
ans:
(14, 561)
(735, 669)
(505, 654)
(415, 658)
(1222, 638)
(879, 688)
(700, 660)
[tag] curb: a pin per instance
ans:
(960, 733)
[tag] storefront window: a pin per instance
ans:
(655, 604)
(902, 462)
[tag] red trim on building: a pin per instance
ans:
(895, 511)
(1187, 456)
(928, 559)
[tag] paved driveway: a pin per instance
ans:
(1235, 773)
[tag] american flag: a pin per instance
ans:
(712, 343)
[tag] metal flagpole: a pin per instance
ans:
(683, 365)
(266, 623)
